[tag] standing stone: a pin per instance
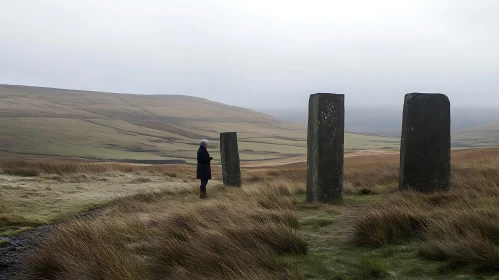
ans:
(425, 143)
(229, 153)
(325, 139)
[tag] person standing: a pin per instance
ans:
(204, 169)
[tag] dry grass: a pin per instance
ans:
(371, 174)
(243, 233)
(47, 198)
(236, 236)
(363, 175)
(37, 168)
(461, 226)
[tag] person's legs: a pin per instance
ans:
(202, 188)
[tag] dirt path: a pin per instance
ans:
(20, 246)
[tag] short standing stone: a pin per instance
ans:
(425, 143)
(326, 128)
(229, 154)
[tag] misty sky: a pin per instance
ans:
(256, 53)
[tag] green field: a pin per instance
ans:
(108, 126)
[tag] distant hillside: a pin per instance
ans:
(110, 126)
(387, 121)
(477, 136)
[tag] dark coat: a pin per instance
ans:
(204, 168)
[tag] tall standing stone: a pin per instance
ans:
(325, 139)
(229, 153)
(425, 144)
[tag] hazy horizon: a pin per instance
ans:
(378, 120)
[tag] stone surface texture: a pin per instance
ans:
(325, 144)
(425, 143)
(229, 155)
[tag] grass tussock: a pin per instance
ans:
(380, 227)
(460, 226)
(239, 235)
(371, 175)
(371, 269)
(364, 175)
(90, 249)
(61, 168)
(21, 171)
(140, 180)
(277, 179)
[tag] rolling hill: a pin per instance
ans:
(486, 135)
(91, 125)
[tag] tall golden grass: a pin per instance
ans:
(363, 175)
(242, 233)
(460, 226)
(236, 236)
(37, 168)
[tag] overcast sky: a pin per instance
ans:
(256, 53)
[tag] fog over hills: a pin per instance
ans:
(387, 121)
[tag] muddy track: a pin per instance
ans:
(13, 256)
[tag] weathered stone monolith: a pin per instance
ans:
(325, 139)
(425, 143)
(229, 154)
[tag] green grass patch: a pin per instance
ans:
(332, 255)
(28, 202)
(4, 243)
(370, 268)
(8, 231)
